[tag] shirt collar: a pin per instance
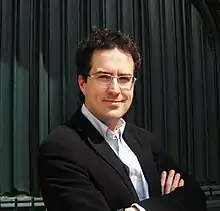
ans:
(100, 126)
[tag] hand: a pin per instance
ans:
(131, 209)
(171, 182)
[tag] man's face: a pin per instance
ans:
(108, 101)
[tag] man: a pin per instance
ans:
(96, 161)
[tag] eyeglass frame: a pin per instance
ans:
(118, 76)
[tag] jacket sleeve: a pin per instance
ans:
(64, 184)
(190, 197)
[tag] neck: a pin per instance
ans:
(111, 124)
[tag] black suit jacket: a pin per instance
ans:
(78, 171)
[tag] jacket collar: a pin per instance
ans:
(93, 138)
(99, 125)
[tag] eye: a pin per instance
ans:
(125, 79)
(103, 78)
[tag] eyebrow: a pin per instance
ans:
(120, 74)
(125, 74)
(103, 72)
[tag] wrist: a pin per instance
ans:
(131, 209)
(128, 209)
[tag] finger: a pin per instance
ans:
(175, 182)
(163, 180)
(169, 181)
(181, 183)
(130, 209)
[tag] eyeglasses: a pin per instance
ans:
(124, 81)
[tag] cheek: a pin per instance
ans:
(130, 100)
(129, 95)
(95, 93)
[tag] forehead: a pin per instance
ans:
(113, 60)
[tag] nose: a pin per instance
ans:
(114, 87)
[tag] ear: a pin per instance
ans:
(81, 83)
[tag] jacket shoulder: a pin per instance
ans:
(60, 138)
(140, 132)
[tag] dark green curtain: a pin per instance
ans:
(177, 94)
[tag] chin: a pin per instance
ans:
(115, 114)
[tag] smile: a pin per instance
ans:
(113, 101)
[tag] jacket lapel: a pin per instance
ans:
(93, 138)
(145, 159)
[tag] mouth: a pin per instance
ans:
(113, 101)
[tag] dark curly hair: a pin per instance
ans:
(105, 39)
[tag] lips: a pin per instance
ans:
(113, 101)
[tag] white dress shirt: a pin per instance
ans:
(122, 150)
